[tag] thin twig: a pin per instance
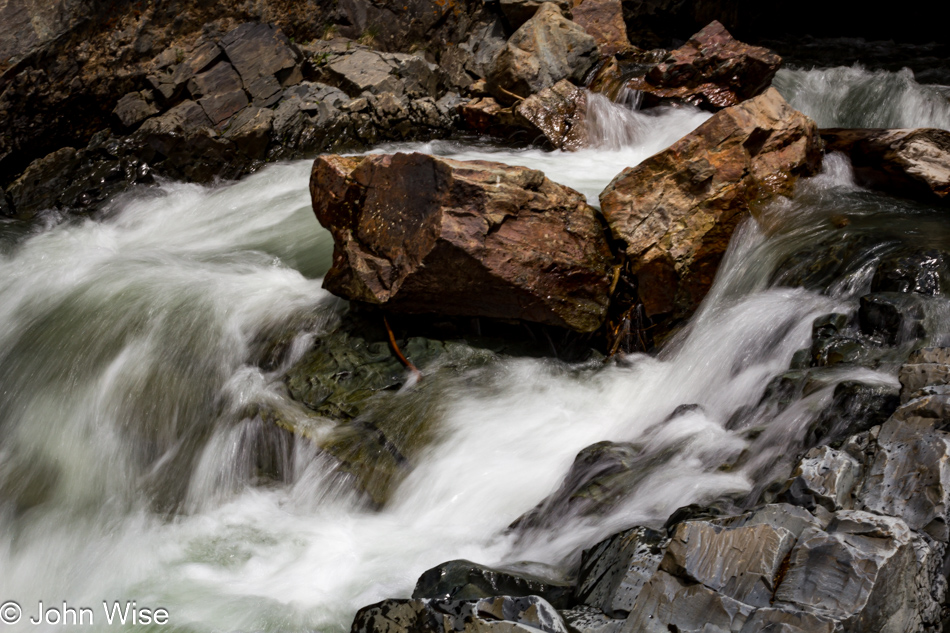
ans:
(511, 94)
(402, 359)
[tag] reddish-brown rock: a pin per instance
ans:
(558, 113)
(422, 234)
(909, 163)
(554, 117)
(676, 211)
(712, 70)
(603, 20)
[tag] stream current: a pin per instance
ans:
(126, 347)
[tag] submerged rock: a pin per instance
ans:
(712, 70)
(546, 49)
(422, 234)
(676, 211)
(909, 163)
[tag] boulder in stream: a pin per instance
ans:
(712, 70)
(676, 211)
(421, 234)
(910, 163)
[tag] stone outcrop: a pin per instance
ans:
(230, 103)
(675, 212)
(712, 70)
(544, 50)
(421, 234)
(909, 163)
(85, 68)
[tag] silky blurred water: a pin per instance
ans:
(129, 348)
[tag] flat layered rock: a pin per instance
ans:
(909, 163)
(712, 70)
(421, 234)
(676, 211)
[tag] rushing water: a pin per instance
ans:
(128, 354)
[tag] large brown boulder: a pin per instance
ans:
(676, 211)
(712, 70)
(546, 49)
(910, 163)
(422, 234)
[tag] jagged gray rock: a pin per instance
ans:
(824, 477)
(909, 476)
(546, 49)
(613, 572)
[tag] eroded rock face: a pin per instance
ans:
(909, 163)
(546, 49)
(712, 70)
(676, 211)
(421, 234)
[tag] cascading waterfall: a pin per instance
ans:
(856, 97)
(131, 347)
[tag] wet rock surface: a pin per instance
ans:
(676, 211)
(503, 614)
(712, 70)
(370, 417)
(420, 234)
(910, 163)
(465, 580)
